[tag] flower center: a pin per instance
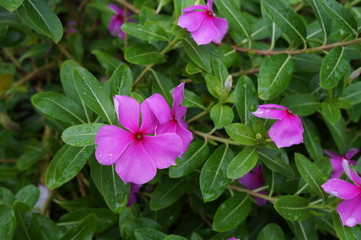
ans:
(138, 136)
(209, 13)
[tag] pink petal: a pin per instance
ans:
(332, 154)
(115, 8)
(254, 179)
(195, 8)
(186, 137)
(261, 201)
(222, 26)
(191, 20)
(135, 165)
(178, 95)
(113, 24)
(206, 33)
(341, 189)
(352, 152)
(160, 108)
(350, 211)
(134, 188)
(210, 4)
(271, 111)
(163, 148)
(149, 121)
(352, 174)
(336, 174)
(128, 112)
(287, 131)
(336, 164)
(111, 142)
(179, 113)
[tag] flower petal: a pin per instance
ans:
(163, 148)
(352, 174)
(191, 20)
(210, 4)
(128, 112)
(179, 113)
(222, 26)
(206, 33)
(332, 154)
(287, 131)
(195, 8)
(111, 142)
(115, 8)
(160, 108)
(134, 188)
(149, 121)
(113, 25)
(350, 211)
(186, 137)
(271, 111)
(254, 179)
(178, 96)
(135, 165)
(341, 189)
(352, 152)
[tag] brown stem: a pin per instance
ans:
(247, 72)
(9, 55)
(33, 74)
(129, 6)
(252, 193)
(7, 160)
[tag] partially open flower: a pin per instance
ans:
(253, 180)
(117, 20)
(336, 161)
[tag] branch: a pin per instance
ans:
(129, 6)
(33, 74)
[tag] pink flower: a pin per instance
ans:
(336, 161)
(288, 130)
(44, 196)
(117, 21)
(350, 208)
(172, 120)
(233, 238)
(136, 150)
(202, 24)
(253, 180)
(71, 28)
(134, 188)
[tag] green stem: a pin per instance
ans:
(253, 193)
(217, 139)
(201, 114)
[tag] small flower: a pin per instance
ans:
(202, 24)
(172, 120)
(43, 199)
(253, 180)
(135, 150)
(350, 208)
(233, 238)
(288, 130)
(117, 21)
(71, 28)
(134, 188)
(336, 161)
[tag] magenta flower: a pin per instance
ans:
(172, 120)
(350, 208)
(134, 188)
(117, 21)
(253, 180)
(288, 130)
(202, 24)
(136, 151)
(71, 24)
(233, 238)
(336, 161)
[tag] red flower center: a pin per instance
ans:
(209, 13)
(138, 136)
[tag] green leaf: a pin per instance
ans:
(128, 228)
(148, 234)
(305, 230)
(287, 20)
(174, 237)
(276, 160)
(221, 115)
(43, 228)
(293, 208)
(162, 85)
(338, 132)
(192, 100)
(121, 81)
(340, 16)
(76, 46)
(81, 135)
(246, 100)
(241, 164)
(213, 179)
(142, 54)
(181, 4)
(312, 175)
(109, 184)
(107, 61)
(312, 139)
(28, 159)
(232, 212)
(198, 54)
(6, 196)
(322, 17)
(309, 62)
(167, 192)
(7, 222)
(150, 32)
(235, 18)
(28, 194)
(66, 164)
(334, 67)
(38, 15)
(241, 134)
(94, 95)
(274, 76)
(193, 158)
(352, 93)
(271, 232)
(84, 231)
(301, 104)
(331, 112)
(11, 5)
(343, 232)
(24, 218)
(58, 107)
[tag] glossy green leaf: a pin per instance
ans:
(66, 164)
(85, 230)
(76, 46)
(338, 132)
(121, 81)
(293, 208)
(28, 159)
(181, 4)
(343, 232)
(94, 95)
(107, 61)
(6, 196)
(221, 115)
(232, 212)
(11, 5)
(174, 237)
(274, 76)
(38, 15)
(198, 54)
(24, 218)
(241, 134)
(241, 164)
(167, 192)
(213, 179)
(305, 230)
(246, 100)
(331, 112)
(28, 194)
(59, 107)
(271, 232)
(334, 67)
(312, 139)
(142, 54)
(148, 234)
(128, 228)
(7, 222)
(276, 160)
(109, 184)
(312, 175)
(309, 62)
(301, 104)
(192, 100)
(352, 93)
(43, 228)
(150, 32)
(193, 158)
(81, 135)
(322, 17)
(287, 20)
(162, 85)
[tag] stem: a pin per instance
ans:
(159, 6)
(198, 116)
(301, 189)
(7, 160)
(129, 6)
(65, 52)
(252, 193)
(247, 72)
(12, 58)
(33, 74)
(217, 139)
